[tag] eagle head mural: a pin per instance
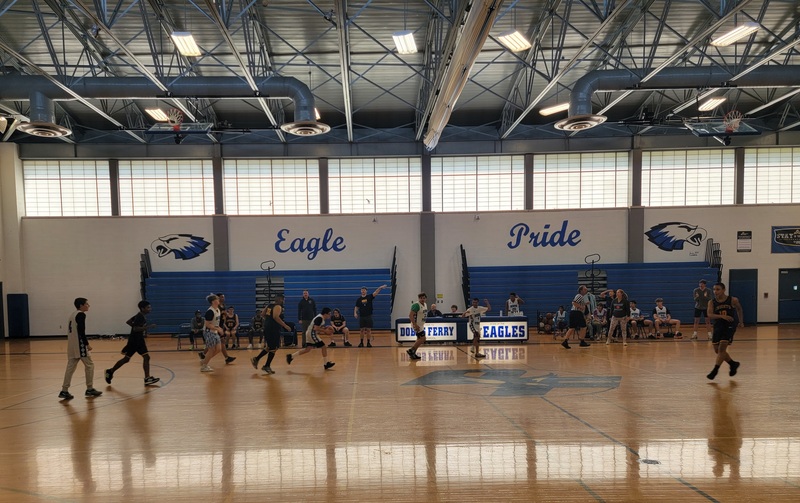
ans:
(183, 246)
(671, 236)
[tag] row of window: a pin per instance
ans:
(394, 185)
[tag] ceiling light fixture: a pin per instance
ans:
(736, 34)
(561, 107)
(317, 115)
(711, 104)
(404, 41)
(184, 42)
(157, 114)
(514, 41)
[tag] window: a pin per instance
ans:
(688, 177)
(478, 183)
(589, 180)
(271, 187)
(66, 188)
(771, 175)
(162, 187)
(382, 185)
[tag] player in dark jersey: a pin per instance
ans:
(136, 344)
(273, 322)
(339, 324)
(726, 313)
(256, 329)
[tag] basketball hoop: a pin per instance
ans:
(732, 120)
(175, 118)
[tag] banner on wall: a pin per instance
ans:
(785, 239)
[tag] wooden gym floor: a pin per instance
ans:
(531, 422)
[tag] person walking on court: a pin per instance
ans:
(620, 314)
(78, 351)
(474, 313)
(702, 296)
(220, 322)
(312, 338)
(363, 313)
(136, 344)
(212, 333)
(417, 315)
(726, 311)
(274, 320)
(577, 317)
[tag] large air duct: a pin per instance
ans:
(580, 99)
(43, 118)
(24, 87)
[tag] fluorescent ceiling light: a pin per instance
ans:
(404, 41)
(554, 109)
(514, 41)
(184, 42)
(157, 114)
(737, 33)
(316, 114)
(711, 104)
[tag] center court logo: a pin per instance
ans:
(513, 382)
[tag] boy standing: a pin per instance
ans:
(78, 351)
(474, 313)
(136, 344)
(417, 315)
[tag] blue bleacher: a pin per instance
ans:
(176, 295)
(544, 288)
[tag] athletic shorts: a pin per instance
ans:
(365, 322)
(701, 312)
(211, 338)
(723, 333)
(318, 344)
(476, 331)
(338, 330)
(135, 345)
(577, 319)
(273, 340)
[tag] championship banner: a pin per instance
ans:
(785, 239)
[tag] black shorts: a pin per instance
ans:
(318, 344)
(135, 345)
(365, 322)
(338, 330)
(723, 333)
(701, 312)
(273, 339)
(577, 319)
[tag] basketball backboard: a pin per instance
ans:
(718, 128)
(183, 128)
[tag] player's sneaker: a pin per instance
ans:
(565, 344)
(711, 375)
(369, 344)
(109, 375)
(206, 368)
(584, 344)
(734, 368)
(229, 359)
(479, 355)
(65, 395)
(347, 343)
(361, 344)
(267, 370)
(332, 345)
(289, 359)
(91, 393)
(151, 380)
(328, 365)
(254, 362)
(413, 354)
(202, 355)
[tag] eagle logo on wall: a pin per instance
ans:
(183, 246)
(671, 236)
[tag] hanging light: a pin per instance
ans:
(711, 104)
(514, 41)
(157, 114)
(735, 34)
(404, 41)
(561, 107)
(185, 43)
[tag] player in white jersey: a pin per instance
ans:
(315, 328)
(417, 315)
(513, 304)
(662, 317)
(212, 333)
(474, 313)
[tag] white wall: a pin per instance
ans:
(721, 224)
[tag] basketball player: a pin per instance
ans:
(312, 338)
(78, 351)
(136, 344)
(212, 333)
(727, 315)
(417, 315)
(274, 320)
(474, 313)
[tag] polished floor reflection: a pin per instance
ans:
(531, 422)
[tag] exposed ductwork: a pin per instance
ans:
(43, 118)
(580, 100)
(41, 91)
(478, 23)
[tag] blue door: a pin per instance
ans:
(789, 295)
(743, 284)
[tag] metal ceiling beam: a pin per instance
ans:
(342, 25)
(246, 74)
